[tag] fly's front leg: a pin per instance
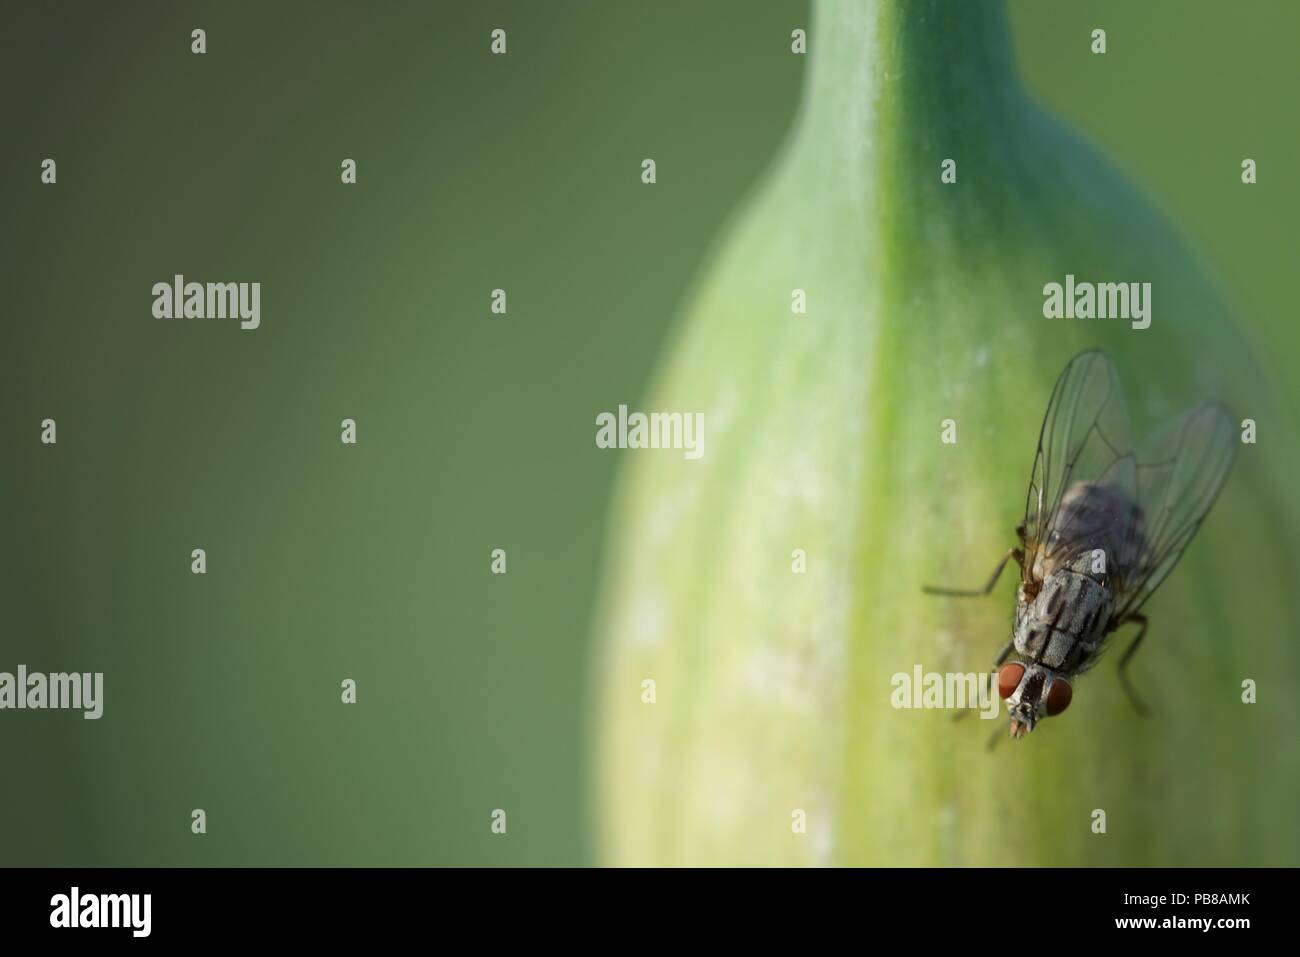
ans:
(1003, 654)
(1015, 553)
(997, 663)
(1141, 621)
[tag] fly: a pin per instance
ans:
(1104, 525)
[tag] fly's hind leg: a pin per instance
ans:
(1015, 553)
(1141, 621)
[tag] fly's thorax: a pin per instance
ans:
(1062, 624)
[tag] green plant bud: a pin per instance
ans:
(824, 433)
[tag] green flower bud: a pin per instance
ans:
(925, 303)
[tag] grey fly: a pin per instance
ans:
(1104, 524)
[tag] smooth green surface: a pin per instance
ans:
(476, 431)
(924, 305)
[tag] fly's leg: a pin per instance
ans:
(1019, 555)
(1002, 656)
(1141, 621)
(1015, 553)
(998, 735)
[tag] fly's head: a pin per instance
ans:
(1032, 692)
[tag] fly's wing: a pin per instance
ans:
(1084, 485)
(1179, 473)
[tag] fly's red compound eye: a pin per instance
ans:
(1009, 676)
(1058, 698)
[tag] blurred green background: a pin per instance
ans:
(475, 431)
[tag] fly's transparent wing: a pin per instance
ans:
(1084, 486)
(1180, 473)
